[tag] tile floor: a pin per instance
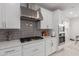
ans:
(70, 49)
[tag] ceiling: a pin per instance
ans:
(70, 10)
(61, 6)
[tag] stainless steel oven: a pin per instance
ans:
(61, 34)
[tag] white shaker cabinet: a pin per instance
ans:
(13, 51)
(1, 16)
(58, 17)
(34, 49)
(58, 20)
(10, 48)
(48, 47)
(54, 44)
(10, 16)
(46, 23)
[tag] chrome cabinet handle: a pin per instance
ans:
(52, 44)
(35, 50)
(9, 51)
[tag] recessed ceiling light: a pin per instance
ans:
(76, 15)
(70, 12)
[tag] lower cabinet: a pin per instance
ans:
(14, 51)
(43, 47)
(55, 44)
(34, 49)
(50, 45)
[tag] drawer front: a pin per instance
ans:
(33, 50)
(33, 45)
(15, 51)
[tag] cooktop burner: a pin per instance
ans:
(30, 38)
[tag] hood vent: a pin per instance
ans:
(29, 14)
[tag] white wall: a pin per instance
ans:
(74, 27)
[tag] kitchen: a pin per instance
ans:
(38, 29)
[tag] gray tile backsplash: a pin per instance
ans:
(28, 28)
(2, 35)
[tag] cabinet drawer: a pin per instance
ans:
(33, 49)
(15, 51)
(33, 45)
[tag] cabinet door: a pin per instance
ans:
(12, 15)
(57, 18)
(61, 18)
(14, 51)
(35, 49)
(48, 47)
(1, 16)
(54, 45)
(49, 19)
(44, 23)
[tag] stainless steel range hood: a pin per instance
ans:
(29, 14)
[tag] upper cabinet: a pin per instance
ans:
(46, 23)
(58, 18)
(1, 16)
(10, 16)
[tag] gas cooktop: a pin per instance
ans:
(30, 38)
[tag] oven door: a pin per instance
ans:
(61, 40)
